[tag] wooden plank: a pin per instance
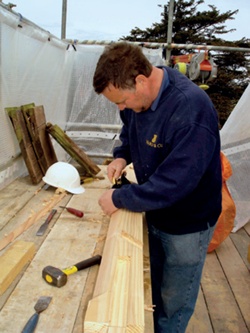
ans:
(18, 122)
(31, 130)
(36, 124)
(238, 277)
(247, 228)
(15, 196)
(31, 220)
(32, 165)
(93, 272)
(24, 205)
(73, 150)
(222, 306)
(149, 324)
(13, 261)
(19, 125)
(200, 321)
(241, 240)
(22, 208)
(118, 299)
(71, 240)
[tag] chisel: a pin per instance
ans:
(44, 226)
(41, 305)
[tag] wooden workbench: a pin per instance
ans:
(223, 304)
(68, 240)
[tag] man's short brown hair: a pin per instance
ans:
(119, 65)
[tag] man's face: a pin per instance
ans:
(135, 99)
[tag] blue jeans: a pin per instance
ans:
(176, 268)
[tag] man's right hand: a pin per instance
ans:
(115, 168)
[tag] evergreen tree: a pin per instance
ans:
(191, 26)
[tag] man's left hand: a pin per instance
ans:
(106, 203)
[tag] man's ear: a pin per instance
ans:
(140, 79)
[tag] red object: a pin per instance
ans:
(74, 211)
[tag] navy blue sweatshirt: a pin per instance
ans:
(175, 150)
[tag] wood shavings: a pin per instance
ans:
(102, 238)
(149, 308)
(93, 220)
(131, 239)
(60, 190)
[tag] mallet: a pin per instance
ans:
(57, 277)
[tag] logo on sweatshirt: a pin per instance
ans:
(153, 142)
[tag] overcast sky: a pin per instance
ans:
(113, 19)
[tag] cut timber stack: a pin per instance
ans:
(33, 135)
(29, 124)
(118, 300)
(18, 122)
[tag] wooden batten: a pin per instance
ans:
(73, 150)
(13, 261)
(118, 301)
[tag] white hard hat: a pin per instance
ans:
(64, 175)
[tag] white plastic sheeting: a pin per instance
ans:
(36, 67)
(93, 122)
(235, 139)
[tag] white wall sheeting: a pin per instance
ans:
(39, 68)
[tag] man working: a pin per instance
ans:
(170, 133)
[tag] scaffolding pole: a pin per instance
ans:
(170, 31)
(64, 19)
(160, 45)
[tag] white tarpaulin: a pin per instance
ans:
(235, 139)
(39, 68)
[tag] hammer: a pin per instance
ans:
(57, 277)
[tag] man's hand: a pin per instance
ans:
(115, 168)
(106, 203)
